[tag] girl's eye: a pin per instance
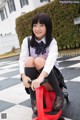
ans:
(34, 25)
(42, 25)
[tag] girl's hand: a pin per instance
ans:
(25, 81)
(35, 84)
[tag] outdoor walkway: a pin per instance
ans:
(15, 103)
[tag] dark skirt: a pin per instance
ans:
(59, 77)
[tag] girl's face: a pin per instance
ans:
(39, 30)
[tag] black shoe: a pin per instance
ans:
(58, 103)
(61, 118)
(34, 107)
(34, 115)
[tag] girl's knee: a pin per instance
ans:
(29, 62)
(39, 62)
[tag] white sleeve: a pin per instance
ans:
(52, 56)
(23, 55)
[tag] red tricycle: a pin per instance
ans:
(49, 97)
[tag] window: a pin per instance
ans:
(23, 2)
(44, 0)
(2, 15)
(11, 5)
(6, 12)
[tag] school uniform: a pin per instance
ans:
(50, 55)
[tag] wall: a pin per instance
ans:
(8, 38)
(8, 25)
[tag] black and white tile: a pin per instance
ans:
(15, 103)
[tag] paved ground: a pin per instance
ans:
(15, 103)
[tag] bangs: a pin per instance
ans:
(39, 19)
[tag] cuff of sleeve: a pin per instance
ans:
(47, 71)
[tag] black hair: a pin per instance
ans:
(42, 18)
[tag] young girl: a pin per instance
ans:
(40, 62)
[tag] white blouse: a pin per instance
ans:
(51, 59)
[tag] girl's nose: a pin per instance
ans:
(38, 28)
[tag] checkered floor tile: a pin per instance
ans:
(15, 103)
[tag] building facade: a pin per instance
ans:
(9, 11)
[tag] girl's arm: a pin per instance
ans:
(23, 55)
(51, 59)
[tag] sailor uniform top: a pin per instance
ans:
(50, 54)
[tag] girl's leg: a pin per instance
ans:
(31, 72)
(58, 103)
(39, 63)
